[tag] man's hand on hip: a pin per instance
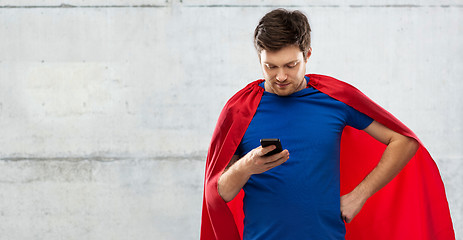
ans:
(351, 204)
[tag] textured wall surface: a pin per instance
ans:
(107, 106)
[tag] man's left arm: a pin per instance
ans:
(400, 149)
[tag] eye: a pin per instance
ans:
(292, 65)
(270, 66)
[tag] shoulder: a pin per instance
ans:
(248, 96)
(323, 81)
(252, 88)
(337, 89)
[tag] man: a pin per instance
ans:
(296, 193)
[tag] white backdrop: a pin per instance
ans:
(107, 107)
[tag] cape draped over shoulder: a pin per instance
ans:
(412, 206)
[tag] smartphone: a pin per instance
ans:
(271, 141)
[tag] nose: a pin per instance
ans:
(281, 75)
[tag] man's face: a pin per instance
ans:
(284, 70)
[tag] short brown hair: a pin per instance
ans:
(280, 28)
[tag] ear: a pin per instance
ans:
(309, 53)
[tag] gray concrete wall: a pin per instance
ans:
(107, 107)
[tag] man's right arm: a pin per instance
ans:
(238, 171)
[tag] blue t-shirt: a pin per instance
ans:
(299, 199)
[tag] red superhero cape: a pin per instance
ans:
(412, 206)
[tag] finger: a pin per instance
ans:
(344, 217)
(265, 150)
(275, 164)
(284, 157)
(278, 156)
(347, 220)
(280, 161)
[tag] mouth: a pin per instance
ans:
(282, 85)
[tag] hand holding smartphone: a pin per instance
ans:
(265, 142)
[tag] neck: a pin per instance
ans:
(302, 85)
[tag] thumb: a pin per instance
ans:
(265, 150)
